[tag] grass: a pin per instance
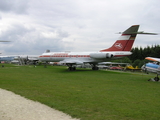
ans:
(86, 94)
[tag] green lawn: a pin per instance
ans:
(86, 94)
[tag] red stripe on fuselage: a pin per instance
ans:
(76, 56)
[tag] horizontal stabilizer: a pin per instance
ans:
(147, 33)
(139, 32)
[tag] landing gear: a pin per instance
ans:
(156, 78)
(95, 67)
(72, 68)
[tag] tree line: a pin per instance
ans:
(138, 55)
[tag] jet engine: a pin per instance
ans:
(101, 55)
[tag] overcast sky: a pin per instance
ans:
(33, 26)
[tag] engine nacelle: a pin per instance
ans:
(108, 55)
(101, 55)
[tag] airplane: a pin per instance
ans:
(120, 48)
(6, 58)
(23, 59)
(27, 59)
(153, 67)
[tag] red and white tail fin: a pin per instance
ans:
(125, 41)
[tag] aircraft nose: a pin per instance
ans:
(143, 67)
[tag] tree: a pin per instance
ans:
(139, 54)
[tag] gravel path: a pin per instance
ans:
(15, 107)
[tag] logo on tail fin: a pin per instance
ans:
(118, 45)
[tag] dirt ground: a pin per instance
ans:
(15, 107)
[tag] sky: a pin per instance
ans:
(34, 26)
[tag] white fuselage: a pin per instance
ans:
(81, 57)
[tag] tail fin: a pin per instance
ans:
(125, 41)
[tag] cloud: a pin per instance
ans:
(34, 26)
(15, 6)
(31, 40)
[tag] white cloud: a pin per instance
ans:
(16, 6)
(34, 26)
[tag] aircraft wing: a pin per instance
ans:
(33, 59)
(73, 62)
(104, 63)
(153, 59)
